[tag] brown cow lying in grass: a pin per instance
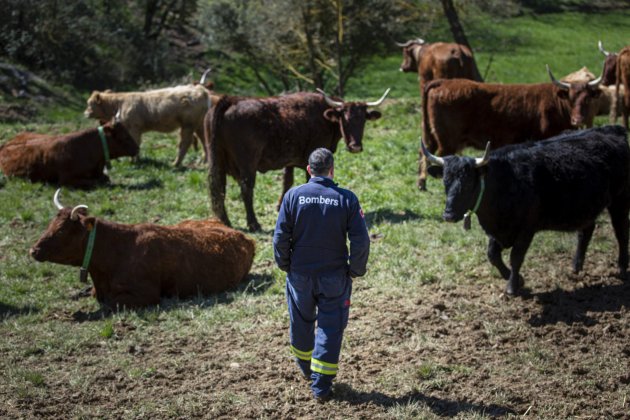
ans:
(135, 265)
(163, 110)
(75, 159)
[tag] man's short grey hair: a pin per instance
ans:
(320, 161)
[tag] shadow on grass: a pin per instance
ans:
(151, 184)
(147, 162)
(391, 216)
(254, 285)
(10, 311)
(573, 306)
(439, 406)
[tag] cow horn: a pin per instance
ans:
(433, 159)
(73, 213)
(329, 100)
(597, 81)
(56, 199)
(482, 161)
(202, 81)
(380, 101)
(408, 43)
(601, 48)
(562, 85)
(117, 116)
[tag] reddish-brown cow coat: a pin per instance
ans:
(439, 60)
(246, 135)
(461, 113)
(623, 78)
(75, 159)
(134, 265)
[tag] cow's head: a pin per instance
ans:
(609, 76)
(411, 54)
(65, 238)
(582, 97)
(98, 108)
(351, 117)
(462, 181)
(120, 141)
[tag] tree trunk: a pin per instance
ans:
(339, 46)
(458, 32)
(453, 21)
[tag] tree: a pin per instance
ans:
(290, 43)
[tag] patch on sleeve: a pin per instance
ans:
(361, 212)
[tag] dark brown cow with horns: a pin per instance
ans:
(75, 159)
(459, 113)
(135, 265)
(246, 135)
(438, 60)
(623, 79)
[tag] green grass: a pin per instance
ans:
(415, 250)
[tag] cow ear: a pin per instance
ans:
(373, 115)
(435, 171)
(87, 221)
(563, 94)
(97, 97)
(332, 114)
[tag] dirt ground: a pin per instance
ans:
(561, 350)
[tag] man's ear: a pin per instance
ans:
(332, 114)
(373, 115)
(563, 94)
(435, 171)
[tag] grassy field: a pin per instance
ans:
(430, 335)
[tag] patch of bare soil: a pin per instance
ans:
(561, 350)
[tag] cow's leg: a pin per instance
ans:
(619, 217)
(494, 256)
(584, 238)
(517, 256)
(185, 140)
(136, 135)
(248, 181)
(287, 182)
(217, 178)
(202, 139)
(422, 171)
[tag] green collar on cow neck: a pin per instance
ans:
(88, 255)
(469, 213)
(101, 134)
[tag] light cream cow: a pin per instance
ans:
(163, 110)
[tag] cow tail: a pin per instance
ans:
(427, 136)
(216, 157)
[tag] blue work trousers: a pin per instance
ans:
(327, 301)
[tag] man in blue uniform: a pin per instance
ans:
(315, 221)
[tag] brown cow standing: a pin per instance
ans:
(246, 135)
(459, 113)
(623, 78)
(75, 159)
(438, 60)
(134, 265)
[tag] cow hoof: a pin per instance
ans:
(254, 227)
(422, 186)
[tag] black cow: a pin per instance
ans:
(561, 184)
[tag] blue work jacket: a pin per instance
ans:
(315, 221)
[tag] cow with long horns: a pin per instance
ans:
(559, 184)
(246, 135)
(438, 60)
(75, 159)
(459, 113)
(163, 110)
(134, 265)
